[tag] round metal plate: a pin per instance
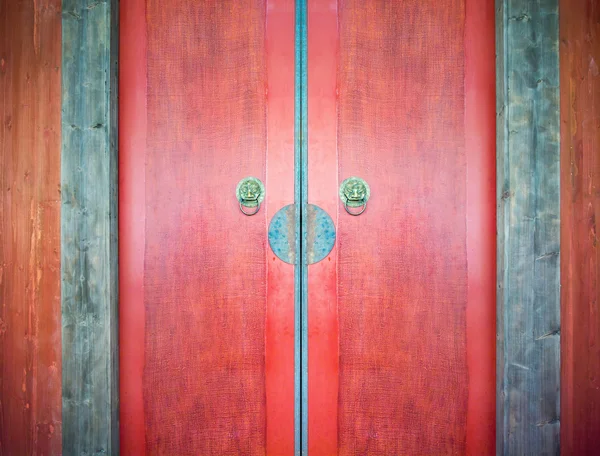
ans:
(282, 236)
(320, 237)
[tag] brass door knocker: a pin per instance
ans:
(354, 193)
(250, 192)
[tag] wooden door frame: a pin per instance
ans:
(528, 232)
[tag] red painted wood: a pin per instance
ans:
(280, 192)
(132, 222)
(580, 209)
(204, 269)
(415, 273)
(323, 351)
(480, 154)
(403, 265)
(30, 315)
(207, 315)
(416, 309)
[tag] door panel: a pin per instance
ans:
(206, 131)
(322, 190)
(403, 266)
(218, 356)
(400, 313)
(398, 289)
(279, 360)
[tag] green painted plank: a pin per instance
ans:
(301, 201)
(89, 227)
(528, 157)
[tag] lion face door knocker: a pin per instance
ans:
(354, 193)
(250, 192)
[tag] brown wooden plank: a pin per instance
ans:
(89, 227)
(30, 353)
(580, 208)
(528, 363)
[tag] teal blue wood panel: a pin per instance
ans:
(89, 278)
(528, 198)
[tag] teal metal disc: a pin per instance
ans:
(320, 234)
(282, 234)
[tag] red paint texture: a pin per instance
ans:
(30, 319)
(279, 379)
(480, 154)
(206, 99)
(580, 208)
(323, 351)
(405, 291)
(205, 272)
(132, 218)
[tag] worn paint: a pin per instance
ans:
(580, 211)
(282, 234)
(89, 276)
(320, 234)
(30, 338)
(320, 237)
(528, 364)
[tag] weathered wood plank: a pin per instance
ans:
(528, 369)
(89, 227)
(30, 353)
(580, 210)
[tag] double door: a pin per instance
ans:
(307, 205)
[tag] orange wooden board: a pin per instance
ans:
(30, 318)
(580, 209)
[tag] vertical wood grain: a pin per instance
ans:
(528, 361)
(205, 273)
(580, 208)
(323, 337)
(280, 312)
(402, 264)
(89, 227)
(30, 355)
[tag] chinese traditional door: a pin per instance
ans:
(334, 320)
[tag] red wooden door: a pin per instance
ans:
(206, 322)
(402, 317)
(400, 314)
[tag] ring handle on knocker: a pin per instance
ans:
(354, 193)
(355, 214)
(249, 213)
(250, 193)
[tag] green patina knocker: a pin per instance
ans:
(250, 192)
(354, 193)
